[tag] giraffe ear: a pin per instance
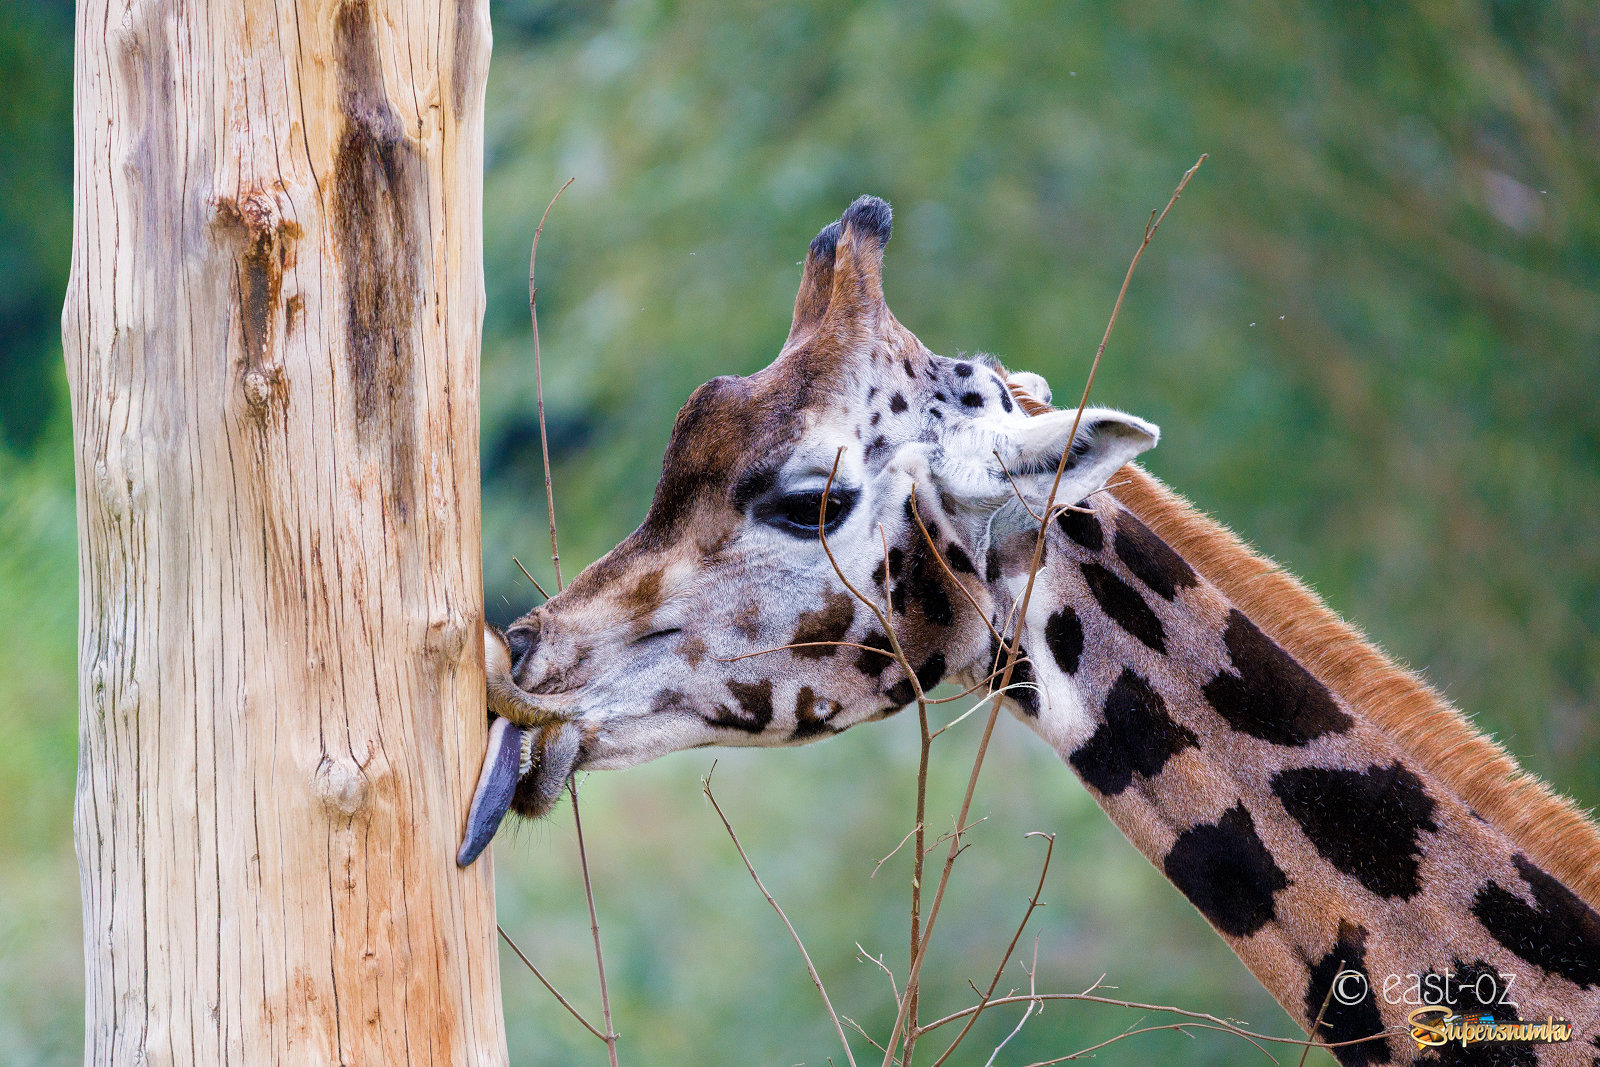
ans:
(967, 463)
(1105, 440)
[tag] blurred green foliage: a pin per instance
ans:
(1370, 332)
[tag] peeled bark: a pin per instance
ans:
(272, 335)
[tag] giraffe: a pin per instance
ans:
(1325, 811)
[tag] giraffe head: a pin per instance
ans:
(856, 443)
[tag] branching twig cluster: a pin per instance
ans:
(908, 1028)
(816, 979)
(609, 1036)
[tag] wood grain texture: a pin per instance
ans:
(272, 334)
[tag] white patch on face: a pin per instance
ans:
(631, 741)
(967, 441)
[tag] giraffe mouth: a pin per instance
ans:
(525, 768)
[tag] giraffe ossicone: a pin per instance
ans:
(1292, 796)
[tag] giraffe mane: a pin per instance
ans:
(1548, 827)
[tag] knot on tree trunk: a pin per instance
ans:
(340, 786)
(254, 223)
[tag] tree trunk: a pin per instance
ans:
(272, 334)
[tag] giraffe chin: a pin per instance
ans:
(522, 768)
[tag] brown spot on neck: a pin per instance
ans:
(1548, 827)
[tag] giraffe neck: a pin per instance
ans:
(1304, 833)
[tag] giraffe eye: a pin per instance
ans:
(797, 513)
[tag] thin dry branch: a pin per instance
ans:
(982, 683)
(890, 856)
(852, 1024)
(1108, 487)
(538, 381)
(1026, 1015)
(1015, 488)
(886, 653)
(1317, 1023)
(939, 556)
(1182, 1028)
(959, 719)
(1033, 904)
(926, 744)
(884, 967)
(822, 536)
(565, 1003)
(1201, 1018)
(816, 979)
(942, 838)
(901, 1018)
(610, 1037)
(885, 617)
(530, 577)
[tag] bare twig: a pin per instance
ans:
(1092, 998)
(885, 617)
(959, 719)
(1108, 487)
(816, 979)
(920, 955)
(954, 832)
(1033, 903)
(1182, 1028)
(926, 744)
(538, 380)
(958, 583)
(565, 1003)
(1201, 1018)
(530, 577)
(1033, 1005)
(981, 683)
(822, 536)
(1014, 487)
(885, 652)
(884, 967)
(852, 1024)
(890, 856)
(610, 1037)
(1316, 1025)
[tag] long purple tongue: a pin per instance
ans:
(497, 784)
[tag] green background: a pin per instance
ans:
(1370, 333)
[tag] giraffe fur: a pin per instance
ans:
(1251, 751)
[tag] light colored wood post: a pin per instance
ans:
(272, 336)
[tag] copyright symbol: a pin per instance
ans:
(1349, 987)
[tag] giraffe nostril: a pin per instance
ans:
(523, 639)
